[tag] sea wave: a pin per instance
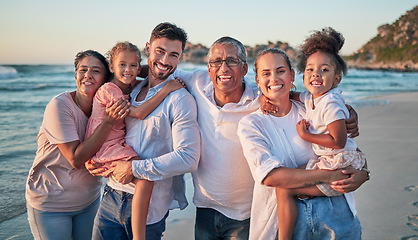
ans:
(7, 72)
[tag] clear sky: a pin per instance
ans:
(53, 31)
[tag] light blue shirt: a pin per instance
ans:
(169, 142)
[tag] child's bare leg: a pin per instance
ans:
(287, 210)
(140, 205)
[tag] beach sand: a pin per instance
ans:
(387, 204)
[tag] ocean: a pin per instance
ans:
(26, 89)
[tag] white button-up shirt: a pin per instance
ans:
(223, 179)
(168, 140)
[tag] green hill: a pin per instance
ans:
(395, 47)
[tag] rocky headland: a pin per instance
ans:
(394, 48)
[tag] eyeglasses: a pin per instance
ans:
(230, 62)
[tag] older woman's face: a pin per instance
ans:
(274, 77)
(89, 75)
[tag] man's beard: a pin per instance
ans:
(160, 76)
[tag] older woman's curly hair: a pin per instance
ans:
(328, 41)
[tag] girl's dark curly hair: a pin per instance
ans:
(328, 41)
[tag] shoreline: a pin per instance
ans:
(387, 205)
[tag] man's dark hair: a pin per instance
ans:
(170, 31)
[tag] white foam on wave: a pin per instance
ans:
(7, 72)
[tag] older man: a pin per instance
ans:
(223, 183)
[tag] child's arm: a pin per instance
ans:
(336, 138)
(147, 107)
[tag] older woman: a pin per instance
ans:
(62, 197)
(274, 152)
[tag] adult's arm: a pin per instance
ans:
(352, 123)
(284, 177)
(270, 169)
(77, 153)
(355, 179)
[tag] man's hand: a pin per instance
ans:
(97, 169)
(355, 180)
(266, 107)
(352, 123)
(122, 171)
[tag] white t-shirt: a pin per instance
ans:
(329, 108)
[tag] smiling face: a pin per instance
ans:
(274, 76)
(163, 56)
(125, 67)
(227, 80)
(89, 75)
(320, 74)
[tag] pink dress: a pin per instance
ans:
(114, 147)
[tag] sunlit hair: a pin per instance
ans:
(328, 41)
(169, 31)
(123, 46)
(230, 41)
(273, 51)
(91, 53)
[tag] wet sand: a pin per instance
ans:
(387, 204)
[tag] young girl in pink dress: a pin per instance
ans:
(124, 63)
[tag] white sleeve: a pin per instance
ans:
(256, 149)
(185, 76)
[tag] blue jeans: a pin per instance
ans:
(113, 220)
(76, 225)
(323, 217)
(211, 224)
